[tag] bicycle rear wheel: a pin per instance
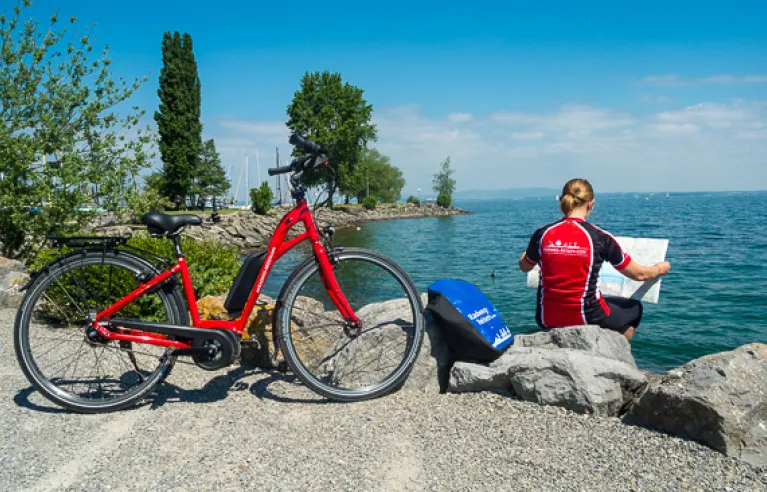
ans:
(337, 360)
(86, 373)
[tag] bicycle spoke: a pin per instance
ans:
(86, 374)
(353, 361)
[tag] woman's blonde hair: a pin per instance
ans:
(575, 193)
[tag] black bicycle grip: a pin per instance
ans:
(306, 145)
(278, 170)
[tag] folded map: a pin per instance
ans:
(645, 251)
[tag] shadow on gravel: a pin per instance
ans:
(261, 389)
(214, 390)
(22, 399)
(218, 388)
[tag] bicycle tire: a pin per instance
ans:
(170, 297)
(283, 316)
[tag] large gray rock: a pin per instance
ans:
(569, 378)
(719, 400)
(13, 276)
(588, 338)
(432, 367)
(370, 354)
(584, 369)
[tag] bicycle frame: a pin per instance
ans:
(278, 246)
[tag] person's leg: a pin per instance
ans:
(625, 316)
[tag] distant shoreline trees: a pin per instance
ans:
(444, 184)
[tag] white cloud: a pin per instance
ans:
(460, 117)
(654, 99)
(676, 128)
(527, 135)
(707, 146)
(675, 80)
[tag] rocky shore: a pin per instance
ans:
(551, 413)
(719, 400)
(248, 231)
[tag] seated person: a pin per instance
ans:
(570, 253)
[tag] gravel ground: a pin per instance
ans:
(247, 429)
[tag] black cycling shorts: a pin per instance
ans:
(623, 313)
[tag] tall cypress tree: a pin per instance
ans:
(178, 117)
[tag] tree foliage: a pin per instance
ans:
(63, 147)
(178, 117)
(443, 182)
(210, 178)
(376, 174)
(334, 114)
(261, 199)
(370, 202)
(444, 200)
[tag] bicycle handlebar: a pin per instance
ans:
(279, 170)
(305, 145)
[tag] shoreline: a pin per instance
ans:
(248, 231)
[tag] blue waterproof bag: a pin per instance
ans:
(470, 323)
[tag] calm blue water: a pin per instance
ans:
(714, 299)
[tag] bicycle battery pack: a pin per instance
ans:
(243, 283)
(472, 326)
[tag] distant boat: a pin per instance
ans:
(668, 196)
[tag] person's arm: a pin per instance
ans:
(635, 271)
(530, 257)
(622, 262)
(525, 264)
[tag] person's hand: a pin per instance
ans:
(663, 268)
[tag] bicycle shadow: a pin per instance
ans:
(219, 387)
(21, 399)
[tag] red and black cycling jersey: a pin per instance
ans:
(570, 253)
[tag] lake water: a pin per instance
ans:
(714, 299)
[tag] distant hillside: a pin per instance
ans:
(505, 194)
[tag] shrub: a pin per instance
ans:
(146, 201)
(370, 202)
(444, 200)
(261, 198)
(212, 267)
(413, 200)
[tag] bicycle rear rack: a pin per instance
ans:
(88, 241)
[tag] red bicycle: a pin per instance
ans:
(100, 326)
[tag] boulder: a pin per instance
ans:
(719, 400)
(257, 347)
(588, 338)
(385, 338)
(13, 276)
(432, 367)
(580, 369)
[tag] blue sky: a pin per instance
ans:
(654, 97)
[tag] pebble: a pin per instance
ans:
(277, 435)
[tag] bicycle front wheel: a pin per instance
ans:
(334, 358)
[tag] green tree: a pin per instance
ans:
(376, 176)
(336, 115)
(155, 182)
(178, 117)
(210, 180)
(444, 200)
(63, 147)
(370, 202)
(261, 199)
(443, 182)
